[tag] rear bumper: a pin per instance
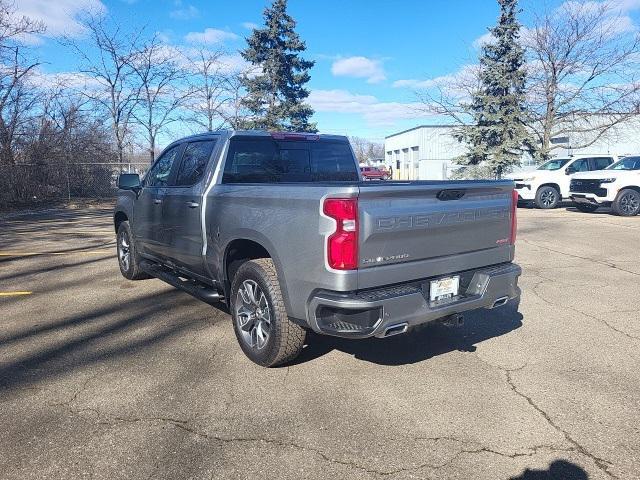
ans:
(373, 312)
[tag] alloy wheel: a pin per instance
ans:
(630, 203)
(253, 314)
(548, 198)
(124, 251)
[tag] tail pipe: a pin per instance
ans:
(395, 329)
(500, 301)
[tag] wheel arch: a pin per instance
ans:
(550, 184)
(118, 218)
(630, 187)
(249, 247)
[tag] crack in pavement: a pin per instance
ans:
(534, 289)
(184, 425)
(601, 463)
(588, 259)
(76, 393)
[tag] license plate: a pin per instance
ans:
(444, 288)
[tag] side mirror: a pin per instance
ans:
(129, 181)
(569, 170)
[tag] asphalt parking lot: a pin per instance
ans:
(105, 378)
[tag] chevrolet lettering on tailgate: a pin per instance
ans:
(437, 219)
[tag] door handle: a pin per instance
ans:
(193, 204)
(157, 201)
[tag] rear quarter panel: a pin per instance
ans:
(286, 220)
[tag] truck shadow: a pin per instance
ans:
(421, 343)
(558, 470)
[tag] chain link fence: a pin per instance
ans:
(31, 184)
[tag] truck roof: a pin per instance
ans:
(261, 133)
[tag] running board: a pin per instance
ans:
(200, 291)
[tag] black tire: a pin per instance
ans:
(627, 203)
(284, 339)
(586, 207)
(547, 197)
(130, 269)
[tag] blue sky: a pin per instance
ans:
(369, 54)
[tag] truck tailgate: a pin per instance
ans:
(432, 228)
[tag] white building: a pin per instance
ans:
(423, 152)
(426, 152)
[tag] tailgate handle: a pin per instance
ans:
(450, 194)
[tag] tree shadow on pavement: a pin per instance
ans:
(58, 347)
(558, 470)
(421, 343)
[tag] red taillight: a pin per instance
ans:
(514, 216)
(342, 245)
(294, 136)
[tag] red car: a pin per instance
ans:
(373, 173)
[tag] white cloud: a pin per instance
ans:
(461, 79)
(249, 25)
(74, 80)
(60, 17)
(210, 36)
(186, 13)
(482, 40)
(359, 67)
(616, 19)
(374, 111)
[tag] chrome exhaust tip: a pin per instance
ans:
(395, 329)
(500, 301)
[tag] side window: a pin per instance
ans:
(600, 163)
(251, 161)
(581, 165)
(194, 162)
(158, 176)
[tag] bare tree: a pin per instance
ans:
(114, 86)
(366, 150)
(16, 99)
(163, 90)
(448, 96)
(209, 89)
(583, 76)
(233, 111)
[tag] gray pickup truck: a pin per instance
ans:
(281, 227)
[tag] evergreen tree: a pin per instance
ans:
(497, 136)
(275, 96)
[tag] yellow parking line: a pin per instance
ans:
(11, 294)
(29, 254)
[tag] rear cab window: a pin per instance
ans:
(270, 160)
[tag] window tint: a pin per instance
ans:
(581, 165)
(600, 163)
(555, 164)
(627, 163)
(333, 161)
(158, 176)
(194, 162)
(263, 160)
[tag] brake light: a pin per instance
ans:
(294, 136)
(342, 244)
(514, 216)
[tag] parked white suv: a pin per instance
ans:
(618, 186)
(549, 183)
